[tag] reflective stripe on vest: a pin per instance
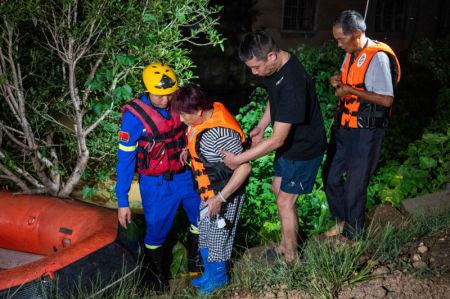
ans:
(159, 150)
(211, 177)
(355, 112)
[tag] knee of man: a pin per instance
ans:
(275, 186)
(332, 181)
(285, 204)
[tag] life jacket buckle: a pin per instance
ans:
(149, 146)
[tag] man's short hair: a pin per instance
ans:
(350, 21)
(256, 45)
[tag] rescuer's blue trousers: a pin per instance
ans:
(160, 200)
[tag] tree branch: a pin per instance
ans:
(98, 121)
(91, 76)
(14, 139)
(11, 176)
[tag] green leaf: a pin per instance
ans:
(95, 84)
(179, 259)
(149, 18)
(427, 162)
(123, 93)
(431, 138)
(125, 60)
(88, 192)
(181, 17)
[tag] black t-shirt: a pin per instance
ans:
(292, 99)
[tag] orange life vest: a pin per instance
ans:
(354, 112)
(211, 177)
(159, 150)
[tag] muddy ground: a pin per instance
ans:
(423, 272)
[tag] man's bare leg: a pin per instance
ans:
(289, 224)
(276, 183)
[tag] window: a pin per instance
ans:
(444, 17)
(391, 15)
(299, 14)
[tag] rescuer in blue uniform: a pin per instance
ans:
(151, 141)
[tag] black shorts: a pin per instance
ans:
(297, 177)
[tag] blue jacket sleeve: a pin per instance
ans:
(129, 135)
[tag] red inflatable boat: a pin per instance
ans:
(62, 242)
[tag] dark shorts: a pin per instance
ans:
(297, 177)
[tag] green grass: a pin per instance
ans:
(391, 239)
(324, 268)
(329, 266)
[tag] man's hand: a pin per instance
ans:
(336, 80)
(184, 156)
(343, 90)
(257, 135)
(214, 204)
(124, 215)
(229, 159)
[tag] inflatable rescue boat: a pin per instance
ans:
(49, 244)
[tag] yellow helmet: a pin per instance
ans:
(159, 79)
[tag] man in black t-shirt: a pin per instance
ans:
(298, 131)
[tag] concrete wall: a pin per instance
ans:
(425, 18)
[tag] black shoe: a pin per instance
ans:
(271, 255)
(154, 275)
(195, 264)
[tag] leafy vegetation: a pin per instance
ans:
(421, 166)
(425, 76)
(425, 170)
(67, 67)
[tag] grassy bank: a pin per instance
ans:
(324, 268)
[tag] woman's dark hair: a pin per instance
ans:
(190, 99)
(256, 45)
(350, 21)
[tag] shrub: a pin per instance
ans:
(426, 167)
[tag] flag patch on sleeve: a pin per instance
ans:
(124, 136)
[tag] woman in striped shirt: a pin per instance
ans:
(212, 129)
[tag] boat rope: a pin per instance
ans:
(92, 296)
(367, 8)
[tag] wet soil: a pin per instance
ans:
(422, 272)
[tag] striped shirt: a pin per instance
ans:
(219, 138)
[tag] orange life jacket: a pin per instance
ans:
(354, 112)
(159, 150)
(211, 177)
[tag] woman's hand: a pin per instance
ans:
(214, 204)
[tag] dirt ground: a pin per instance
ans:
(430, 256)
(423, 273)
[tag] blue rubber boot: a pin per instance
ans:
(198, 281)
(218, 277)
